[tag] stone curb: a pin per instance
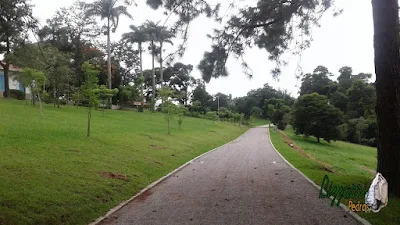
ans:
(353, 214)
(122, 204)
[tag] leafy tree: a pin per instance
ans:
(339, 100)
(277, 112)
(105, 94)
(181, 111)
(223, 101)
(70, 31)
(196, 106)
(314, 116)
(49, 60)
(200, 94)
(123, 53)
(344, 78)
(361, 101)
(256, 112)
(34, 80)
(91, 90)
(109, 10)
(59, 73)
(317, 82)
(15, 21)
(167, 106)
(180, 80)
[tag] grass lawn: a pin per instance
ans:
(260, 122)
(344, 163)
(51, 173)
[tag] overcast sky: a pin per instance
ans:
(346, 40)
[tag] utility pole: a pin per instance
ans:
(218, 108)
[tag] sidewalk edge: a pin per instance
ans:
(122, 204)
(354, 215)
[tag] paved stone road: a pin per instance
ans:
(236, 184)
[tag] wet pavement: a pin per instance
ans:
(245, 182)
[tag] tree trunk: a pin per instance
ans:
(153, 96)
(58, 98)
(41, 107)
(318, 140)
(109, 58)
(168, 122)
(387, 70)
(89, 117)
(6, 81)
(54, 95)
(161, 64)
(141, 73)
(6, 70)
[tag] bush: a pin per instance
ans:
(212, 115)
(46, 97)
(17, 94)
(193, 114)
(140, 108)
(281, 125)
(370, 142)
(63, 102)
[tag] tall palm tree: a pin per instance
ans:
(151, 31)
(163, 35)
(138, 35)
(107, 9)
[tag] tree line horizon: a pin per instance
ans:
(67, 41)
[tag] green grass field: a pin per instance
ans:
(260, 122)
(51, 173)
(344, 163)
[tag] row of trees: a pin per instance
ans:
(271, 25)
(346, 105)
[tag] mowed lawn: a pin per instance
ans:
(51, 173)
(344, 163)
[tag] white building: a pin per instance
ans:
(13, 84)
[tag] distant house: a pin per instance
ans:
(13, 84)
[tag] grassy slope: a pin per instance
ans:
(49, 169)
(351, 164)
(260, 122)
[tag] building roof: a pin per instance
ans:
(12, 68)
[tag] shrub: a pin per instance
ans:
(63, 102)
(212, 115)
(140, 108)
(17, 94)
(46, 97)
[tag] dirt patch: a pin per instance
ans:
(144, 196)
(155, 161)
(292, 144)
(114, 175)
(157, 147)
(146, 135)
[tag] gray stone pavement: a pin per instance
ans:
(244, 182)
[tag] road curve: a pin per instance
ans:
(244, 182)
